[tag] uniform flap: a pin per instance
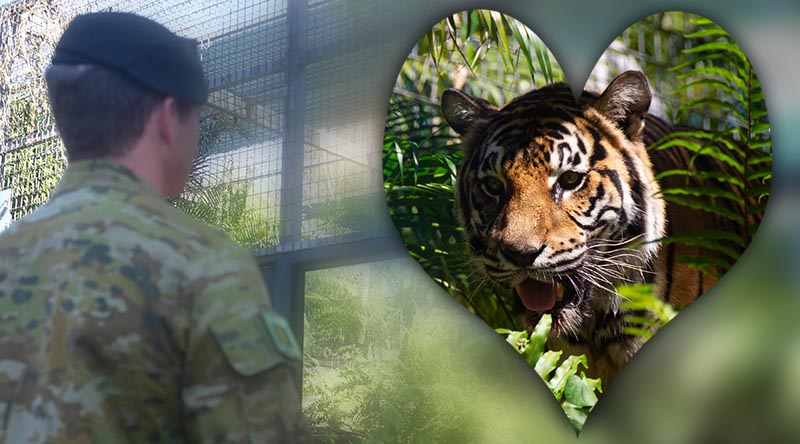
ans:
(247, 343)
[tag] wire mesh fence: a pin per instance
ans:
(272, 67)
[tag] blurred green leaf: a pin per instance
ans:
(580, 391)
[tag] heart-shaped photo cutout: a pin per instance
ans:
(576, 227)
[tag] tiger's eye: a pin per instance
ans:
(570, 179)
(492, 185)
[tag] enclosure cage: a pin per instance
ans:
(295, 183)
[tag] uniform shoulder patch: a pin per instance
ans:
(281, 335)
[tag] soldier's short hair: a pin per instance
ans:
(99, 113)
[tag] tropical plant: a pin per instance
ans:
(349, 353)
(639, 298)
(478, 43)
(212, 195)
(31, 158)
(421, 153)
(336, 210)
(574, 391)
(420, 167)
(730, 104)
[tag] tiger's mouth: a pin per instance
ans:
(539, 296)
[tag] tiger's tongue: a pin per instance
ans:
(537, 296)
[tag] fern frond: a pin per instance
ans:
(699, 204)
(719, 176)
(725, 91)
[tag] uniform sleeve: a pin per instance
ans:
(238, 384)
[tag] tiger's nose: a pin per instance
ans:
(523, 257)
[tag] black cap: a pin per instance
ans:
(138, 48)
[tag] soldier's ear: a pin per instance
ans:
(625, 101)
(163, 120)
(462, 111)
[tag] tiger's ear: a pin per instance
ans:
(462, 111)
(625, 101)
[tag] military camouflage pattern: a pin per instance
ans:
(123, 319)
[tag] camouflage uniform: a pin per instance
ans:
(123, 319)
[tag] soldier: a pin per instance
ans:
(123, 319)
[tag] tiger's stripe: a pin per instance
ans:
(560, 205)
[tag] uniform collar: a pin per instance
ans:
(101, 173)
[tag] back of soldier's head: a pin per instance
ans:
(109, 71)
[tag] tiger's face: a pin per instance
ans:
(557, 198)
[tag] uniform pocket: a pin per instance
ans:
(256, 343)
(262, 350)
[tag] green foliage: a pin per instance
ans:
(421, 154)
(473, 45)
(215, 198)
(31, 162)
(340, 215)
(478, 39)
(337, 372)
(419, 165)
(367, 378)
(32, 173)
(639, 298)
(576, 393)
(230, 208)
(728, 101)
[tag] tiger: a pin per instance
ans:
(560, 205)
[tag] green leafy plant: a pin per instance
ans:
(729, 103)
(575, 392)
(648, 313)
(481, 43)
(421, 154)
(31, 159)
(212, 195)
(362, 380)
(420, 170)
(231, 208)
